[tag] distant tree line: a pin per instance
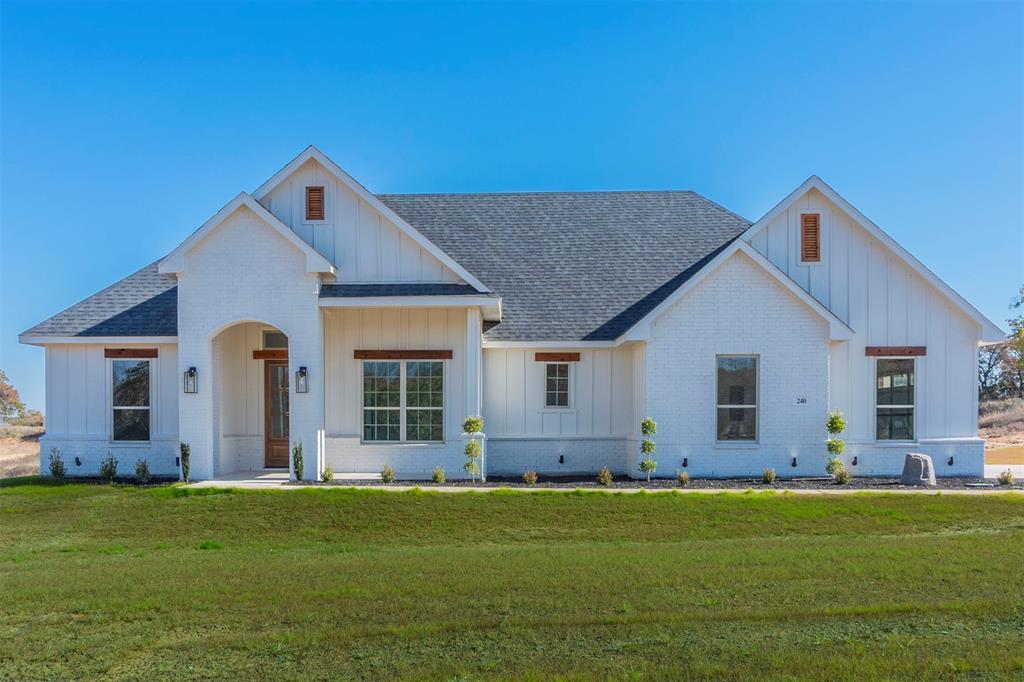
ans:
(12, 410)
(1001, 366)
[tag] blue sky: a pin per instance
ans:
(125, 126)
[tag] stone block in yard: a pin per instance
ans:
(918, 470)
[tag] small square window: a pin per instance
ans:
(556, 385)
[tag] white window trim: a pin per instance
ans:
(756, 406)
(874, 400)
(402, 407)
(327, 203)
(570, 398)
(800, 238)
(151, 407)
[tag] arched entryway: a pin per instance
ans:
(251, 406)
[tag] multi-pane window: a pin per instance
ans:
(130, 400)
(894, 399)
(556, 385)
(403, 397)
(737, 397)
(424, 401)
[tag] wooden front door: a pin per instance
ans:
(275, 413)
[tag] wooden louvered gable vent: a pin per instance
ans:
(810, 237)
(314, 203)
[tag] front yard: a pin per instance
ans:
(331, 583)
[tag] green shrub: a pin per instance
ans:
(473, 452)
(835, 446)
(186, 457)
(768, 476)
(1006, 477)
(438, 475)
(843, 476)
(530, 477)
(142, 471)
(683, 479)
(387, 474)
(647, 447)
(604, 477)
(647, 465)
(297, 465)
(833, 465)
(648, 427)
(473, 448)
(835, 422)
(473, 424)
(57, 469)
(327, 475)
(108, 467)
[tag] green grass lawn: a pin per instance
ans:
(139, 583)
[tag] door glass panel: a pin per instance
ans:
(279, 401)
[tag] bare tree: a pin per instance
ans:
(990, 372)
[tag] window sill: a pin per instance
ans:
(896, 444)
(130, 443)
(556, 410)
(405, 443)
(737, 445)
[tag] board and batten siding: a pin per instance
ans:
(348, 330)
(79, 385)
(601, 394)
(886, 304)
(363, 244)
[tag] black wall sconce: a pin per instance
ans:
(951, 460)
(191, 380)
(686, 462)
(78, 462)
(302, 381)
(561, 459)
(854, 462)
(793, 463)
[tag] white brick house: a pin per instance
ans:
(369, 326)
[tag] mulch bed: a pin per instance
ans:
(865, 483)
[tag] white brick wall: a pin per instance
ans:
(245, 272)
(160, 453)
(738, 309)
(513, 456)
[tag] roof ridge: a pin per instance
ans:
(539, 193)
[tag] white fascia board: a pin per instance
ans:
(582, 345)
(174, 263)
(838, 330)
(43, 340)
(990, 332)
(366, 195)
(490, 306)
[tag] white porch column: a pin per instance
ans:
(474, 374)
(195, 410)
(306, 410)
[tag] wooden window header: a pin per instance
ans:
(314, 203)
(810, 237)
(270, 354)
(895, 351)
(122, 353)
(403, 355)
(557, 357)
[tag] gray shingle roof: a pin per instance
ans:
(568, 265)
(410, 289)
(573, 265)
(142, 304)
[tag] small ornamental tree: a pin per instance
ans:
(186, 456)
(648, 427)
(473, 426)
(297, 465)
(835, 424)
